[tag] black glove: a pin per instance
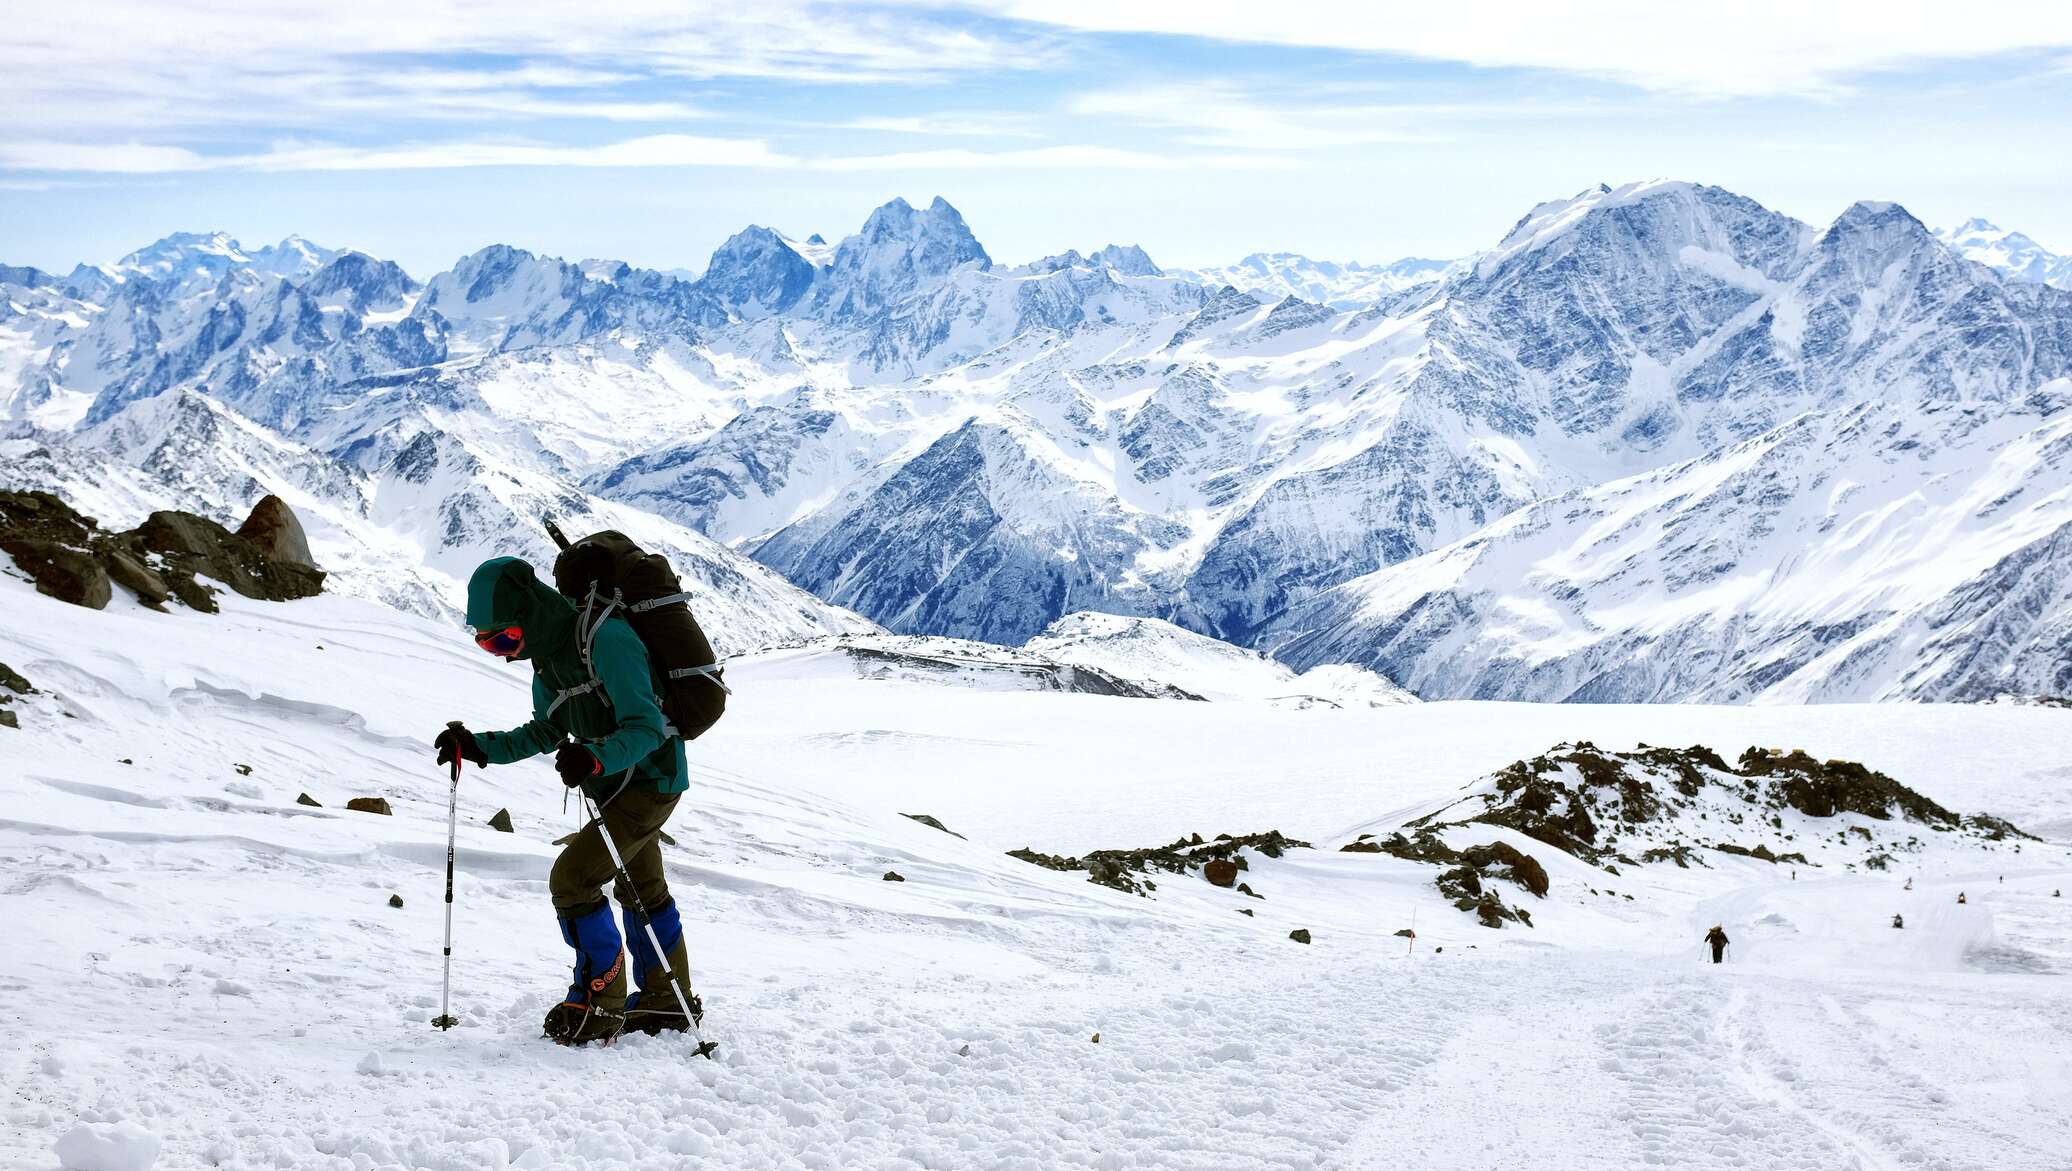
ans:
(458, 740)
(575, 764)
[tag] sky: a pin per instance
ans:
(649, 131)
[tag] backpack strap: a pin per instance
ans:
(710, 671)
(586, 633)
(586, 629)
(656, 603)
(568, 693)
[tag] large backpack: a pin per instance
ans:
(606, 574)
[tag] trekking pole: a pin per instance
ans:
(445, 1018)
(705, 1048)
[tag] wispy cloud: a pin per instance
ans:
(116, 65)
(1217, 114)
(1760, 48)
(1047, 157)
(658, 150)
(949, 125)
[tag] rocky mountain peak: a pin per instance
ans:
(366, 282)
(1130, 260)
(897, 251)
(183, 258)
(1869, 237)
(757, 270)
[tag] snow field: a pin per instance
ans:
(226, 973)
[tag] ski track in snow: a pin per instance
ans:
(194, 953)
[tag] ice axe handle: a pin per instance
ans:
(554, 531)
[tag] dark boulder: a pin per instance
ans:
(69, 575)
(500, 821)
(894, 876)
(1220, 872)
(1299, 935)
(395, 900)
(369, 805)
(133, 575)
(14, 681)
(277, 533)
(1513, 863)
(306, 799)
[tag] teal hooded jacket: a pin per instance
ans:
(623, 727)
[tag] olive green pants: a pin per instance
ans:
(635, 820)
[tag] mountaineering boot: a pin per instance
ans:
(653, 1007)
(594, 1009)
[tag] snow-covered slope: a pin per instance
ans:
(1876, 551)
(2009, 252)
(1148, 649)
(406, 529)
(240, 948)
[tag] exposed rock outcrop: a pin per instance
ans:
(71, 558)
(1129, 870)
(1677, 806)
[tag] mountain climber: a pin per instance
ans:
(1960, 898)
(1897, 921)
(1717, 937)
(1909, 885)
(607, 735)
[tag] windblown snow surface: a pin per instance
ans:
(199, 965)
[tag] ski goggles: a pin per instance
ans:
(504, 641)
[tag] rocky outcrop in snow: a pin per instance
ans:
(1665, 806)
(71, 558)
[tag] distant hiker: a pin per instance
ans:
(1794, 875)
(2057, 894)
(599, 688)
(1960, 898)
(1717, 937)
(1909, 885)
(1897, 921)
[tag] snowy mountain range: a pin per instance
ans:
(2008, 252)
(1641, 418)
(1350, 285)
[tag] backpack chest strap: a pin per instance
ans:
(567, 693)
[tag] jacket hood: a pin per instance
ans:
(505, 591)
